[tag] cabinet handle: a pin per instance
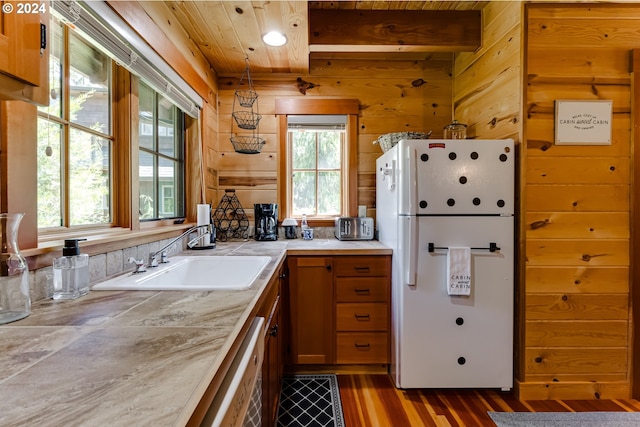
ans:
(328, 268)
(362, 269)
(362, 316)
(362, 346)
(43, 38)
(282, 276)
(362, 291)
(273, 331)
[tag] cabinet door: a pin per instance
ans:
(20, 40)
(24, 67)
(272, 368)
(311, 310)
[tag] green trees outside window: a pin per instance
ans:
(75, 135)
(316, 166)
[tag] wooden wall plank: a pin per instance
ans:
(593, 387)
(608, 64)
(578, 170)
(577, 198)
(594, 333)
(577, 279)
(577, 225)
(541, 97)
(592, 14)
(576, 360)
(577, 307)
(577, 252)
(579, 33)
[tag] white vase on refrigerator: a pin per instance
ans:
(432, 195)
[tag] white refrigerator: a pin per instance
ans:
(446, 208)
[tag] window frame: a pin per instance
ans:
(318, 107)
(124, 155)
(316, 170)
(67, 125)
(155, 151)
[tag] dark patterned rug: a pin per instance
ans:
(310, 401)
(566, 419)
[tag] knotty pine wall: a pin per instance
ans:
(487, 94)
(576, 206)
(394, 95)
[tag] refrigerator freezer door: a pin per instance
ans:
(456, 177)
(444, 341)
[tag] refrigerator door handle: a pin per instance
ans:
(410, 236)
(409, 194)
(413, 178)
(390, 171)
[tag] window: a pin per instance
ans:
(318, 158)
(161, 165)
(316, 161)
(75, 135)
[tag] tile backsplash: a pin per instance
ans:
(100, 266)
(108, 264)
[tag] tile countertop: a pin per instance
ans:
(133, 358)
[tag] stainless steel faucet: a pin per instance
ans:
(153, 261)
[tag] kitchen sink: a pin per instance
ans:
(191, 273)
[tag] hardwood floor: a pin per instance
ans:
(373, 401)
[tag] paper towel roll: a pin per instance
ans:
(204, 214)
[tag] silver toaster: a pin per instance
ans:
(353, 228)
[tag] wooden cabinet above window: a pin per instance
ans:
(24, 66)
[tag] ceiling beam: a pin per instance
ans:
(340, 30)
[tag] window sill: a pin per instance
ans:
(98, 243)
(320, 222)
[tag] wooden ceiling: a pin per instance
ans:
(229, 32)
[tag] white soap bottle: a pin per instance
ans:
(71, 272)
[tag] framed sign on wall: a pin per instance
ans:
(583, 122)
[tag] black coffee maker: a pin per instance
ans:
(266, 216)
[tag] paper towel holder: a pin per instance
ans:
(206, 237)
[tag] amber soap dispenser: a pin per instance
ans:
(71, 272)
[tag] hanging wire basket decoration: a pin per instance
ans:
(247, 144)
(246, 98)
(247, 119)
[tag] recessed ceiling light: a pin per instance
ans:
(274, 38)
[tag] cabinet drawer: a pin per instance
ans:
(362, 289)
(362, 347)
(361, 317)
(362, 266)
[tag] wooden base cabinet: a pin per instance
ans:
(273, 363)
(339, 309)
(362, 309)
(311, 310)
